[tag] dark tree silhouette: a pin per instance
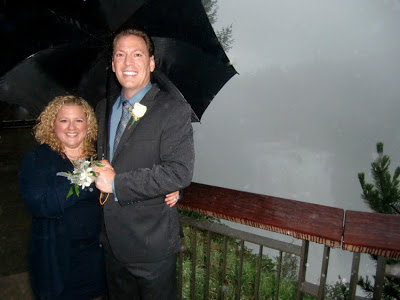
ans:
(383, 196)
(225, 34)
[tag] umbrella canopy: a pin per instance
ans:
(68, 52)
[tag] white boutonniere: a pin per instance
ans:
(82, 175)
(137, 111)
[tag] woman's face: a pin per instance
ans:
(71, 126)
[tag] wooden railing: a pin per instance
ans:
(359, 232)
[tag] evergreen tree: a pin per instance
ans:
(383, 196)
(225, 34)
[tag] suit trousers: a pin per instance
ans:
(141, 281)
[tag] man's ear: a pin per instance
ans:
(112, 65)
(152, 64)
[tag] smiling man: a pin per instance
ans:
(151, 155)
(132, 64)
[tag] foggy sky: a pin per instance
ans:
(318, 88)
(290, 117)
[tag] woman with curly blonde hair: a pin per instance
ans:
(44, 130)
(65, 257)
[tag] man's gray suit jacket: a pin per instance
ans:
(154, 157)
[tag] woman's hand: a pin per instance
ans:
(172, 198)
(105, 177)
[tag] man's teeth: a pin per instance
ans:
(130, 73)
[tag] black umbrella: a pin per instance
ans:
(68, 51)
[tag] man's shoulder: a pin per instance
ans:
(101, 104)
(170, 100)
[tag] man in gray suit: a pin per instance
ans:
(151, 155)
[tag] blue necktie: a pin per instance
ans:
(122, 123)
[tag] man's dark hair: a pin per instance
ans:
(137, 32)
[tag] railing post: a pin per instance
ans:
(208, 260)
(324, 272)
(379, 278)
(354, 275)
(180, 274)
(302, 268)
(278, 276)
(240, 271)
(223, 289)
(194, 256)
(258, 278)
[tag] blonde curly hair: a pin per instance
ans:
(44, 129)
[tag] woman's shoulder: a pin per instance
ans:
(42, 151)
(40, 161)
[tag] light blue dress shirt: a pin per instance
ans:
(116, 116)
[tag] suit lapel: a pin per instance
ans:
(148, 101)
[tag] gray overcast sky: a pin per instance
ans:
(318, 88)
(288, 32)
(321, 80)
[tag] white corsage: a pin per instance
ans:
(137, 111)
(82, 176)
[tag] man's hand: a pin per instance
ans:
(172, 199)
(105, 177)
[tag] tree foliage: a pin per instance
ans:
(211, 8)
(225, 34)
(225, 37)
(339, 291)
(383, 196)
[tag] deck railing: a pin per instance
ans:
(358, 232)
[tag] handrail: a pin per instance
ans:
(306, 221)
(363, 232)
(372, 233)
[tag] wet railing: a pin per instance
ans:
(359, 232)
